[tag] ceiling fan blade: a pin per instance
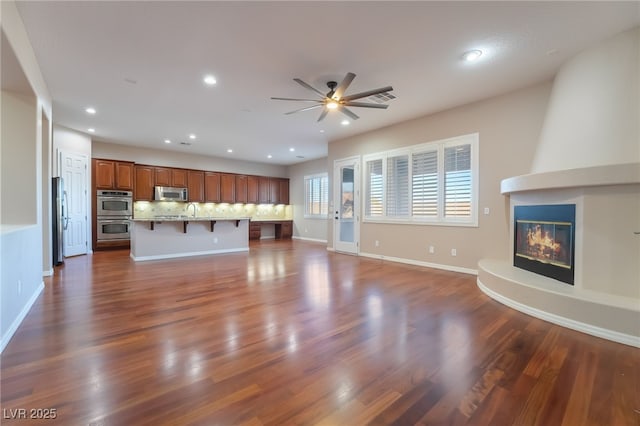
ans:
(295, 99)
(342, 87)
(348, 112)
(303, 109)
(367, 93)
(307, 86)
(366, 105)
(323, 114)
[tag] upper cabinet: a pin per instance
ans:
(227, 188)
(252, 189)
(111, 174)
(165, 176)
(264, 190)
(241, 189)
(283, 191)
(144, 183)
(195, 185)
(212, 187)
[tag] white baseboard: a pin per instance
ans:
(270, 237)
(313, 240)
(330, 249)
(582, 327)
(23, 313)
(421, 263)
(187, 254)
(47, 273)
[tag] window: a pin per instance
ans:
(433, 183)
(316, 196)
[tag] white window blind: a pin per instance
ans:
(398, 186)
(457, 178)
(375, 187)
(316, 196)
(424, 184)
(431, 183)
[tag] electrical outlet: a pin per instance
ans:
(215, 240)
(486, 210)
(432, 249)
(19, 287)
(377, 243)
(454, 252)
(306, 230)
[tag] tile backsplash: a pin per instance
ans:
(150, 209)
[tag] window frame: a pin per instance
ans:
(307, 178)
(439, 146)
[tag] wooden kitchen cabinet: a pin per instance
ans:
(212, 187)
(166, 176)
(144, 181)
(105, 175)
(274, 191)
(283, 191)
(252, 190)
(227, 188)
(241, 188)
(264, 190)
(111, 174)
(195, 186)
(124, 176)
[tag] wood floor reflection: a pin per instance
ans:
(292, 334)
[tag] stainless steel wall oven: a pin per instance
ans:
(113, 215)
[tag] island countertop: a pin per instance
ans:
(183, 218)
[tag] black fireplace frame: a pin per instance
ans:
(546, 213)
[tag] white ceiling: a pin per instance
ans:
(141, 64)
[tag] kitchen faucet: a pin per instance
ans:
(195, 208)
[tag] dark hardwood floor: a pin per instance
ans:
(292, 334)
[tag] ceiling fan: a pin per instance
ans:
(336, 100)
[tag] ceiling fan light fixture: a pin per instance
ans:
(332, 104)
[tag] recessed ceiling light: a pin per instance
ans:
(345, 122)
(321, 131)
(229, 150)
(269, 156)
(292, 149)
(91, 130)
(167, 141)
(192, 136)
(472, 55)
(210, 80)
(90, 110)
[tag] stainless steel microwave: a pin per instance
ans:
(167, 193)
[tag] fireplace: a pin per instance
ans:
(544, 240)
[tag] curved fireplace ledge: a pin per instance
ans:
(617, 174)
(607, 316)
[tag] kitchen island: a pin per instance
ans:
(166, 237)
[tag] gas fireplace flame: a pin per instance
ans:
(542, 243)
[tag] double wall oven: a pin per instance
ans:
(113, 215)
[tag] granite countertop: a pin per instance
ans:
(271, 220)
(184, 218)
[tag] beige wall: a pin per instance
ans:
(508, 128)
(68, 140)
(312, 229)
(162, 157)
(22, 245)
(594, 111)
(18, 152)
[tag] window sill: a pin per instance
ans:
(421, 222)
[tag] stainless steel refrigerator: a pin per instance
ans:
(59, 220)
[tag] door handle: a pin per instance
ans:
(65, 217)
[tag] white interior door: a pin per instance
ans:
(346, 205)
(73, 170)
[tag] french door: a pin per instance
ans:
(346, 205)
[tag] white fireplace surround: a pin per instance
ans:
(605, 298)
